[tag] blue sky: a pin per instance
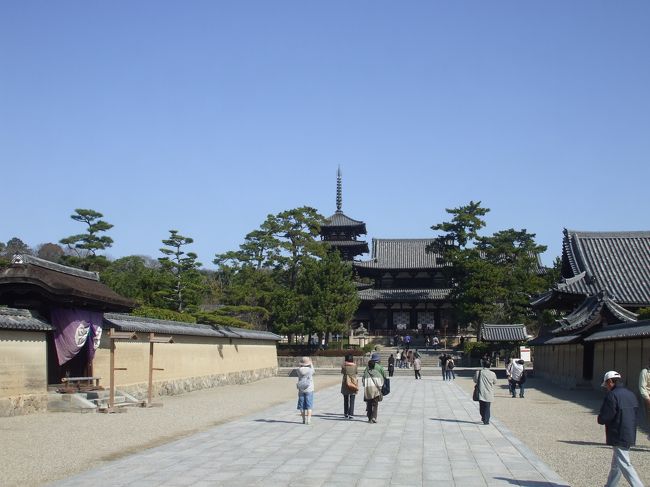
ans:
(205, 116)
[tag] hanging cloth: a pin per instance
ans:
(72, 329)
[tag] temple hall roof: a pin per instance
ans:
(68, 286)
(433, 294)
(640, 329)
(401, 254)
(503, 333)
(618, 262)
(591, 313)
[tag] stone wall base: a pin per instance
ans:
(21, 405)
(189, 384)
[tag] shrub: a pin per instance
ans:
(475, 349)
(163, 314)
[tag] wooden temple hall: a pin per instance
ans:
(401, 287)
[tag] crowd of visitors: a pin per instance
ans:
(618, 412)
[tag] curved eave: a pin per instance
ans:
(404, 295)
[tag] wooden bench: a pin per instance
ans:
(79, 384)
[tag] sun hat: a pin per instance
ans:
(305, 361)
(612, 374)
(375, 357)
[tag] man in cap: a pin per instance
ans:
(618, 414)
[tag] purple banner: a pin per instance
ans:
(73, 328)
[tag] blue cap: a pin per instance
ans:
(375, 357)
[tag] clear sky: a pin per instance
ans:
(205, 116)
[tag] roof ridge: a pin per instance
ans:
(20, 259)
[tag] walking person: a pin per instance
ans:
(644, 392)
(485, 380)
(443, 365)
(391, 365)
(373, 380)
(349, 386)
(618, 414)
(449, 368)
(516, 374)
(417, 366)
(305, 385)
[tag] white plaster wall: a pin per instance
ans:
(23, 360)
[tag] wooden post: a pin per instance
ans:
(111, 397)
(154, 339)
(112, 336)
(150, 388)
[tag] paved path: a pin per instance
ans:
(428, 433)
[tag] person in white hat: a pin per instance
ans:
(305, 385)
(644, 391)
(618, 414)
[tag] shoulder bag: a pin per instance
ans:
(351, 383)
(475, 393)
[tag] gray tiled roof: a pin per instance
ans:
(590, 313)
(618, 262)
(21, 319)
(347, 243)
(123, 322)
(640, 329)
(551, 340)
(72, 271)
(340, 219)
(401, 253)
(503, 333)
(434, 294)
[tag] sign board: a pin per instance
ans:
(524, 353)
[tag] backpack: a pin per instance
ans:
(450, 364)
(303, 384)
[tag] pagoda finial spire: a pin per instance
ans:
(339, 191)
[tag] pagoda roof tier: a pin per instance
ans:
(67, 286)
(420, 295)
(360, 245)
(401, 253)
(616, 262)
(341, 220)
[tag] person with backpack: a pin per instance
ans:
(349, 386)
(373, 381)
(305, 385)
(449, 368)
(516, 374)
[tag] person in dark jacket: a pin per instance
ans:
(618, 414)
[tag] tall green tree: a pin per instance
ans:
(493, 277)
(14, 246)
(328, 297)
(134, 277)
(84, 246)
(188, 285)
(265, 269)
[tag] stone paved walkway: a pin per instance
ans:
(428, 433)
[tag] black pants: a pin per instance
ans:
(417, 374)
(484, 409)
(372, 405)
(348, 404)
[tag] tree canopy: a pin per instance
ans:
(493, 276)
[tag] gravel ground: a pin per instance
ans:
(558, 425)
